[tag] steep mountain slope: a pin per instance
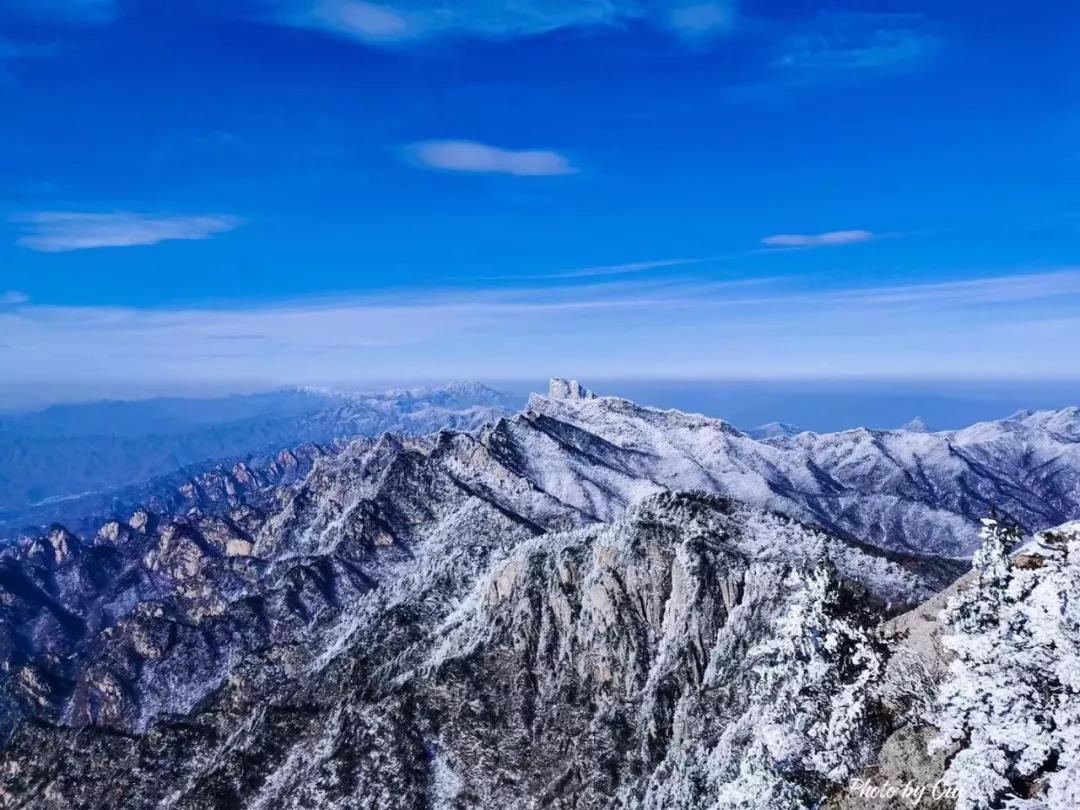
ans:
(914, 490)
(923, 492)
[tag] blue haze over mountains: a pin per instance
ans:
(54, 461)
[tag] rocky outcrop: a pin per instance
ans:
(568, 389)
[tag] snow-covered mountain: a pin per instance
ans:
(915, 491)
(588, 604)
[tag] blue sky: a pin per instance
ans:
(238, 192)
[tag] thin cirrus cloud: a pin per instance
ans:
(784, 326)
(481, 158)
(626, 268)
(697, 22)
(791, 240)
(1062, 283)
(400, 22)
(62, 231)
(858, 42)
(406, 21)
(13, 298)
(604, 270)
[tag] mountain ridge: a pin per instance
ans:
(44, 457)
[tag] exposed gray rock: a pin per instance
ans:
(568, 389)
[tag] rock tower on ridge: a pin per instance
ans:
(568, 389)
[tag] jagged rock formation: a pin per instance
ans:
(568, 389)
(208, 488)
(570, 608)
(917, 491)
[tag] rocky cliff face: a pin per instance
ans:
(572, 608)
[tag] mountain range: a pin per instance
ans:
(72, 462)
(588, 604)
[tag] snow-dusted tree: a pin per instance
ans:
(994, 703)
(761, 784)
(808, 725)
(1056, 603)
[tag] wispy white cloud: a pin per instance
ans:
(401, 22)
(13, 297)
(987, 290)
(602, 270)
(367, 21)
(471, 156)
(817, 239)
(699, 21)
(60, 231)
(1063, 285)
(856, 42)
(623, 269)
(404, 22)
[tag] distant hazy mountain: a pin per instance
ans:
(916, 425)
(67, 451)
(774, 430)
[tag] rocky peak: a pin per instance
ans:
(63, 543)
(113, 533)
(142, 521)
(559, 388)
(56, 548)
(482, 649)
